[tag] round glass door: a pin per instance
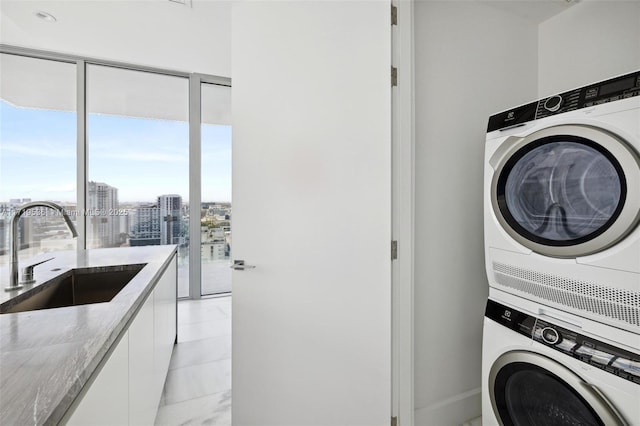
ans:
(528, 389)
(560, 193)
(528, 395)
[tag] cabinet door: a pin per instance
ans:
(106, 401)
(142, 402)
(164, 324)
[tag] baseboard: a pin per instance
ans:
(452, 411)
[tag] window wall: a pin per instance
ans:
(216, 213)
(37, 152)
(132, 149)
(138, 161)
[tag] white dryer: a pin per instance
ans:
(562, 201)
(547, 367)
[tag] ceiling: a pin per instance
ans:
(190, 37)
(536, 11)
(155, 33)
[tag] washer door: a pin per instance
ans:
(531, 389)
(567, 191)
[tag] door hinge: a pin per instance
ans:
(394, 76)
(394, 250)
(394, 421)
(394, 15)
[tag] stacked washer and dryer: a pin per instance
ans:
(561, 343)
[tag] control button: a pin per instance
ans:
(592, 93)
(550, 335)
(553, 104)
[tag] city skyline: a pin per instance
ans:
(133, 204)
(165, 221)
(136, 167)
(138, 156)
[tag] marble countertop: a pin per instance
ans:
(47, 356)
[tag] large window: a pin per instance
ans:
(138, 161)
(124, 164)
(37, 152)
(216, 213)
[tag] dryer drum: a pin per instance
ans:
(568, 191)
(562, 190)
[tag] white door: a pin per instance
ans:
(311, 211)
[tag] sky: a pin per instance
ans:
(143, 158)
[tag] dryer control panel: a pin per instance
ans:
(604, 356)
(611, 90)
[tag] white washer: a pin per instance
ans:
(542, 366)
(562, 201)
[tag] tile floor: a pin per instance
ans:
(198, 386)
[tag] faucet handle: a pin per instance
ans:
(27, 272)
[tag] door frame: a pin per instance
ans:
(195, 175)
(402, 217)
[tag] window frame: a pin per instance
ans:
(195, 81)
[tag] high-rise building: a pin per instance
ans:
(40, 218)
(102, 223)
(145, 228)
(5, 219)
(214, 245)
(170, 218)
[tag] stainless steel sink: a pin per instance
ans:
(75, 287)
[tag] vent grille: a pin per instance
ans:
(621, 305)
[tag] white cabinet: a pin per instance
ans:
(165, 296)
(106, 400)
(142, 401)
(128, 386)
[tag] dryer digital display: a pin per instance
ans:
(616, 86)
(623, 87)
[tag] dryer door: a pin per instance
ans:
(530, 389)
(567, 191)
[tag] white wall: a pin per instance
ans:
(589, 42)
(472, 60)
